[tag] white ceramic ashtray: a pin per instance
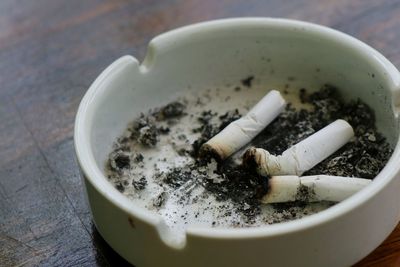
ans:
(217, 70)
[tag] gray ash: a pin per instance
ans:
(140, 184)
(138, 157)
(120, 187)
(148, 136)
(159, 201)
(145, 129)
(241, 187)
(304, 193)
(177, 177)
(119, 160)
(171, 110)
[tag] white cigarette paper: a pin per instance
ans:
(312, 188)
(240, 132)
(304, 155)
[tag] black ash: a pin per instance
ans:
(159, 201)
(119, 160)
(247, 81)
(171, 110)
(140, 184)
(304, 193)
(145, 129)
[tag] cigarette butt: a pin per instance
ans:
(240, 132)
(312, 188)
(304, 155)
(333, 188)
(282, 189)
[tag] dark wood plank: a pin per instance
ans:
(50, 52)
(38, 224)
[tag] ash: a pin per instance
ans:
(155, 162)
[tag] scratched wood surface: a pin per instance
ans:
(50, 52)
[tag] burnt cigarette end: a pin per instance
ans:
(271, 187)
(249, 159)
(263, 188)
(207, 152)
(282, 189)
(268, 187)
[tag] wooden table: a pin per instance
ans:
(50, 52)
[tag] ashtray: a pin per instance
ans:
(213, 54)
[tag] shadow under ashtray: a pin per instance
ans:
(105, 255)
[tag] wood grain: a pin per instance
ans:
(50, 52)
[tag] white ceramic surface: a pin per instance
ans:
(213, 54)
